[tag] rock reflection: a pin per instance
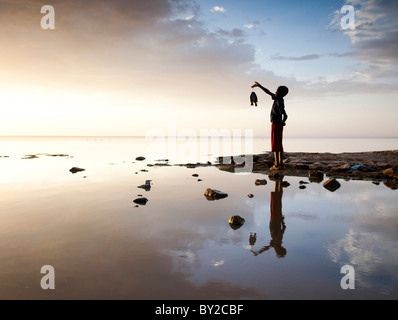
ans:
(277, 225)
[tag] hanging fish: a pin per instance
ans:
(253, 99)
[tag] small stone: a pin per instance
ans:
(302, 187)
(141, 201)
(212, 194)
(235, 222)
(76, 169)
(146, 186)
(195, 175)
(285, 184)
(260, 182)
(315, 176)
(250, 195)
(140, 158)
(332, 184)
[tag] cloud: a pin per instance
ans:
(251, 25)
(218, 9)
(374, 40)
(300, 58)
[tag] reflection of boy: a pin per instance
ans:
(277, 225)
(278, 120)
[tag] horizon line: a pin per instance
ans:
(209, 136)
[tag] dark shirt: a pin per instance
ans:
(277, 110)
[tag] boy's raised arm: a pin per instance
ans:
(256, 84)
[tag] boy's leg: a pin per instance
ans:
(276, 159)
(281, 159)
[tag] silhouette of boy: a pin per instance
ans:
(278, 121)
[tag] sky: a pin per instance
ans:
(126, 67)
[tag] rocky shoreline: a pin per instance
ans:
(376, 166)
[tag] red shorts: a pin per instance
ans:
(276, 137)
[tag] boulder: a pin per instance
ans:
(212, 194)
(332, 184)
(235, 222)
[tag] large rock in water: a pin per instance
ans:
(332, 184)
(235, 222)
(212, 194)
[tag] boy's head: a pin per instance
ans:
(282, 91)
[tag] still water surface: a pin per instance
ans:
(180, 245)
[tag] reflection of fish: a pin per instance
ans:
(253, 98)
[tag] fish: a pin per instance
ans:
(253, 99)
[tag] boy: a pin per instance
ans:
(278, 121)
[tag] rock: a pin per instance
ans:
(285, 184)
(332, 184)
(195, 175)
(76, 169)
(343, 168)
(302, 187)
(302, 182)
(260, 182)
(30, 156)
(391, 173)
(212, 194)
(392, 184)
(315, 176)
(301, 166)
(146, 186)
(250, 195)
(235, 222)
(141, 201)
(140, 158)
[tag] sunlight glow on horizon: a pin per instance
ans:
(146, 67)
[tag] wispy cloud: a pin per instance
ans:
(251, 25)
(300, 58)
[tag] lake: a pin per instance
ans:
(101, 245)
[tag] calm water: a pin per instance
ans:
(180, 245)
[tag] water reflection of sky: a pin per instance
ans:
(180, 245)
